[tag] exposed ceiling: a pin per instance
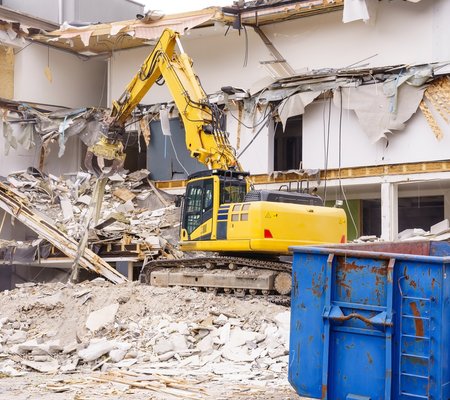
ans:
(102, 39)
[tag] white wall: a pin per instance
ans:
(218, 61)
(75, 83)
(416, 143)
(258, 158)
(401, 32)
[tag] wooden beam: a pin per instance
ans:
(331, 174)
(17, 206)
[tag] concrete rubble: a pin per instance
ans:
(133, 211)
(141, 331)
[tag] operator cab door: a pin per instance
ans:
(198, 209)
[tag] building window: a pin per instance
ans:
(413, 212)
(288, 145)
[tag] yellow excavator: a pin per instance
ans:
(221, 212)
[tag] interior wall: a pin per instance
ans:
(75, 82)
(254, 146)
(356, 148)
(218, 61)
(323, 41)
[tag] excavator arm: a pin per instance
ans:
(205, 138)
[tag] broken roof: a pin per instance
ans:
(99, 39)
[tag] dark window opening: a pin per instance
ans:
(288, 145)
(136, 152)
(413, 212)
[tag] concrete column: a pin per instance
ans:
(389, 211)
(447, 204)
(126, 268)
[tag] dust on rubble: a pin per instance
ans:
(97, 339)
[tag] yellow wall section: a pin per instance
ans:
(7, 72)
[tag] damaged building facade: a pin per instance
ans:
(350, 97)
(356, 93)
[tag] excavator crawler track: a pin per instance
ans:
(230, 275)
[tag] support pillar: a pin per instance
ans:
(447, 204)
(126, 268)
(389, 211)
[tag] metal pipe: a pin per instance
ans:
(60, 11)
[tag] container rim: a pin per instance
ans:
(368, 254)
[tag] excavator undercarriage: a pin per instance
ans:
(240, 276)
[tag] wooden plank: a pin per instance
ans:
(124, 194)
(7, 74)
(18, 208)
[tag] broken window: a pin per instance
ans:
(288, 145)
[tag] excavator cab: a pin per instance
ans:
(206, 191)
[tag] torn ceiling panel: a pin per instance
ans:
(27, 126)
(15, 27)
(104, 38)
(295, 105)
(98, 39)
(378, 113)
(383, 98)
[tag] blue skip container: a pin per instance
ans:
(371, 322)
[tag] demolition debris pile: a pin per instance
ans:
(137, 329)
(132, 210)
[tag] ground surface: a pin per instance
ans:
(96, 340)
(83, 387)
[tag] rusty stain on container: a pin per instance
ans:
(413, 284)
(317, 288)
(324, 391)
(417, 322)
(369, 358)
(379, 270)
(434, 282)
(349, 267)
(341, 285)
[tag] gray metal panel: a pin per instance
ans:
(78, 10)
(46, 9)
(161, 160)
(107, 10)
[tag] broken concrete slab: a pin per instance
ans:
(101, 318)
(96, 349)
(440, 227)
(124, 194)
(43, 366)
(17, 337)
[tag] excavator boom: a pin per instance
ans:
(205, 138)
